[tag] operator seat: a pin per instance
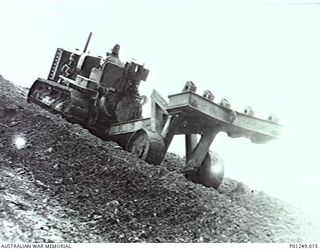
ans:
(87, 63)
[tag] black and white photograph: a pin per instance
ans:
(159, 121)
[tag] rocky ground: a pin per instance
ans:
(59, 183)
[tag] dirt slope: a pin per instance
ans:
(59, 183)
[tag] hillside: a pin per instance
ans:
(59, 183)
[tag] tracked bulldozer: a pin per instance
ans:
(86, 90)
(103, 96)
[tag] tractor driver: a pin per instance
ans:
(69, 68)
(113, 57)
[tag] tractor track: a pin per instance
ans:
(59, 183)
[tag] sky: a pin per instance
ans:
(265, 54)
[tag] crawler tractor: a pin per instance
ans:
(102, 96)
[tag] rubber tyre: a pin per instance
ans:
(148, 146)
(210, 173)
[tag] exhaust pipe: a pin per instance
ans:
(87, 43)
